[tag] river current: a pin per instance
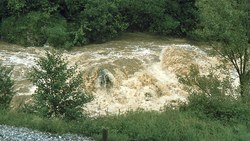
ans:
(137, 71)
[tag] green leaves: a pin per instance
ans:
(16, 6)
(6, 86)
(59, 92)
(101, 20)
(225, 21)
(213, 96)
(67, 23)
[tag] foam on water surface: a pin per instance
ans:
(142, 74)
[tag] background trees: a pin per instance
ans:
(67, 23)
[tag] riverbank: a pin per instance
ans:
(137, 125)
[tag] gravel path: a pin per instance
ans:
(10, 133)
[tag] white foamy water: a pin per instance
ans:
(122, 75)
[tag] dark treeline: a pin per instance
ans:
(67, 23)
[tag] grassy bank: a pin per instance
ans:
(137, 126)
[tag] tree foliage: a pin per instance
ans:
(6, 86)
(227, 22)
(79, 22)
(59, 92)
(213, 96)
(101, 20)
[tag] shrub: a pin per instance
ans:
(213, 97)
(59, 92)
(25, 30)
(101, 20)
(56, 32)
(77, 34)
(141, 14)
(6, 86)
(165, 26)
(166, 17)
(36, 29)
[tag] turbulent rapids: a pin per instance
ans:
(135, 72)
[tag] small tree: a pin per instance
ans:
(227, 22)
(6, 86)
(59, 92)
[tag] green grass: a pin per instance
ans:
(171, 125)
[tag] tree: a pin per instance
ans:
(6, 86)
(101, 20)
(227, 22)
(59, 92)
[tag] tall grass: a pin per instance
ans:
(137, 126)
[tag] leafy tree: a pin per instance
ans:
(101, 20)
(26, 29)
(19, 7)
(187, 16)
(227, 22)
(16, 6)
(59, 92)
(6, 86)
(36, 29)
(3, 13)
(139, 14)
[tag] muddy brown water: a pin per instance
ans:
(136, 71)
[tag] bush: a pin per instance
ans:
(59, 92)
(139, 14)
(57, 33)
(166, 17)
(26, 30)
(6, 86)
(213, 97)
(165, 26)
(101, 20)
(36, 29)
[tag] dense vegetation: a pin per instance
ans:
(6, 86)
(139, 126)
(59, 90)
(215, 110)
(66, 23)
(229, 27)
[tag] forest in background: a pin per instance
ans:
(67, 23)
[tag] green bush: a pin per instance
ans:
(139, 14)
(213, 97)
(59, 92)
(25, 30)
(165, 26)
(101, 20)
(166, 17)
(57, 36)
(56, 32)
(6, 86)
(36, 29)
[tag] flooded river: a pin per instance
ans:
(137, 71)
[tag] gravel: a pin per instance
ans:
(10, 133)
